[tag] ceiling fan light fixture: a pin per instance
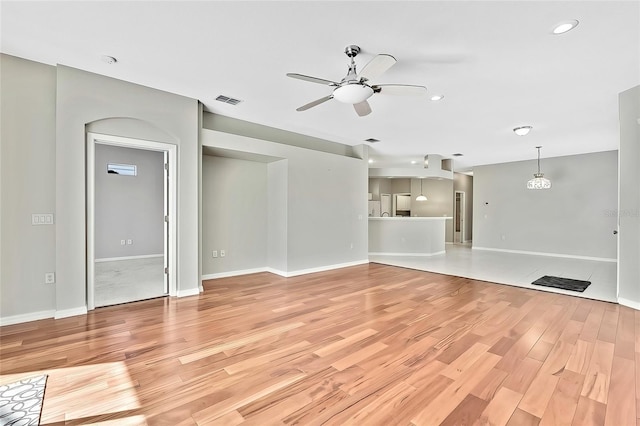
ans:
(352, 93)
(522, 130)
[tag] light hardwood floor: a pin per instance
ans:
(365, 345)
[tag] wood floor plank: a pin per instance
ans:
(501, 408)
(564, 401)
(537, 396)
(598, 374)
(369, 344)
(580, 357)
(621, 405)
(522, 418)
(589, 412)
(446, 402)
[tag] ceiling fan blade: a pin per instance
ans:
(312, 79)
(377, 66)
(314, 103)
(400, 89)
(363, 108)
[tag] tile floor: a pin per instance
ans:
(514, 269)
(125, 281)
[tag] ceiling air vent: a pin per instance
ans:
(228, 100)
(372, 140)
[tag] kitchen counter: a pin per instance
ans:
(407, 236)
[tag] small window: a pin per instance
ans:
(122, 169)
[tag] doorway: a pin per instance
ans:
(458, 218)
(131, 233)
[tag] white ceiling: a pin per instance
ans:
(496, 63)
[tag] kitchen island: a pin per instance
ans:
(407, 236)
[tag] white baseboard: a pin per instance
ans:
(277, 272)
(65, 313)
(285, 274)
(142, 256)
(324, 268)
(409, 254)
(233, 273)
(33, 316)
(190, 292)
(629, 303)
(537, 253)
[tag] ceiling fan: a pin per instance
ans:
(355, 88)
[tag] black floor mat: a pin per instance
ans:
(563, 283)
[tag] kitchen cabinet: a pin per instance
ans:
(403, 202)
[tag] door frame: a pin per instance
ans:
(462, 215)
(171, 237)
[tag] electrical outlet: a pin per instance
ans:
(129, 242)
(122, 242)
(222, 253)
(50, 278)
(215, 253)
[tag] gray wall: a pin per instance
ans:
(326, 202)
(28, 186)
(84, 98)
(258, 131)
(129, 207)
(234, 214)
(379, 186)
(464, 183)
(439, 202)
(277, 214)
(571, 218)
(629, 209)
(400, 185)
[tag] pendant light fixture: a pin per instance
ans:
(421, 197)
(538, 181)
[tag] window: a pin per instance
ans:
(122, 169)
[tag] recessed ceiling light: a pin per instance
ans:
(437, 97)
(372, 140)
(108, 59)
(565, 26)
(370, 160)
(413, 161)
(457, 154)
(522, 130)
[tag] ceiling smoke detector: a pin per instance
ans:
(109, 59)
